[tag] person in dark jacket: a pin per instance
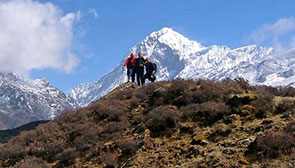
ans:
(130, 64)
(139, 69)
(151, 69)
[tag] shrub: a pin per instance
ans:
(109, 112)
(88, 137)
(66, 158)
(286, 92)
(109, 155)
(159, 97)
(47, 151)
(267, 90)
(134, 103)
(190, 112)
(270, 146)
(211, 112)
(175, 92)
(144, 92)
(177, 89)
(263, 105)
(31, 163)
(183, 100)
(219, 131)
(206, 113)
(161, 119)
(128, 146)
(285, 106)
(113, 127)
(290, 128)
(237, 85)
(209, 91)
(123, 94)
(110, 159)
(11, 154)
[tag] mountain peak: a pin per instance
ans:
(173, 39)
(169, 33)
(42, 82)
(165, 30)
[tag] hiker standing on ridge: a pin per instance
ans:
(151, 69)
(130, 63)
(139, 69)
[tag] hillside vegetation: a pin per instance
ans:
(178, 123)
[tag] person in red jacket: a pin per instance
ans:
(130, 63)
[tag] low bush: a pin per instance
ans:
(110, 159)
(128, 146)
(113, 127)
(209, 91)
(219, 132)
(123, 95)
(31, 163)
(66, 158)
(286, 91)
(290, 128)
(183, 100)
(47, 151)
(177, 92)
(211, 112)
(144, 92)
(190, 112)
(161, 119)
(10, 155)
(271, 145)
(109, 112)
(285, 106)
(206, 113)
(263, 106)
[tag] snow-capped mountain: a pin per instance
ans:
(178, 57)
(25, 100)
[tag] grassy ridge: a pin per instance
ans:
(144, 127)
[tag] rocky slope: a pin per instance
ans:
(179, 57)
(167, 124)
(24, 100)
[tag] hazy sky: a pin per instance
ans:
(69, 42)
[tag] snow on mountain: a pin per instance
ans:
(178, 57)
(25, 100)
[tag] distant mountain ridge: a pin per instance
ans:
(6, 135)
(179, 57)
(24, 100)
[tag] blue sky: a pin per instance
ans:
(100, 41)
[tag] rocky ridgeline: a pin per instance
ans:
(167, 124)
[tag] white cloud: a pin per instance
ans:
(36, 35)
(274, 32)
(94, 13)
